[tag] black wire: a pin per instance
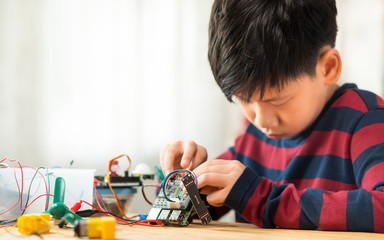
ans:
(89, 213)
(101, 199)
(29, 190)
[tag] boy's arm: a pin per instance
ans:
(265, 204)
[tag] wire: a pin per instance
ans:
(42, 176)
(52, 226)
(98, 195)
(120, 156)
(122, 220)
(109, 181)
(164, 184)
(49, 191)
(28, 195)
(20, 199)
(20, 187)
(29, 190)
(7, 228)
(129, 222)
(145, 197)
(148, 223)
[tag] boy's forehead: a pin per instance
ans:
(270, 94)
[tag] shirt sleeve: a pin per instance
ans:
(266, 204)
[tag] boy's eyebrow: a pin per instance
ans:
(273, 99)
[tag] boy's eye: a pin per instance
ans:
(280, 103)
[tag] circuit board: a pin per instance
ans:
(178, 207)
(177, 213)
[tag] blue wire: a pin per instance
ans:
(164, 182)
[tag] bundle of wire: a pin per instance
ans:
(124, 219)
(172, 174)
(119, 220)
(20, 188)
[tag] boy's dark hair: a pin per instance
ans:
(259, 44)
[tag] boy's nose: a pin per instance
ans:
(265, 119)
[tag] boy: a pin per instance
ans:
(312, 156)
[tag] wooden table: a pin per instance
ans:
(215, 230)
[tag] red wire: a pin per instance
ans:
(97, 195)
(8, 225)
(98, 202)
(143, 192)
(22, 186)
(20, 199)
(142, 223)
(147, 223)
(42, 195)
(17, 183)
(117, 219)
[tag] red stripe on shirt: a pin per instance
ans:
(351, 99)
(374, 175)
(380, 102)
(228, 155)
(288, 212)
(326, 143)
(320, 183)
(250, 149)
(255, 208)
(366, 137)
(333, 212)
(378, 210)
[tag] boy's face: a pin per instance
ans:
(286, 113)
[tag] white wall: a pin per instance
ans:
(89, 80)
(361, 43)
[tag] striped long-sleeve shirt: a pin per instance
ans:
(329, 177)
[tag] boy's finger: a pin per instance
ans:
(217, 180)
(214, 166)
(217, 198)
(190, 149)
(200, 157)
(171, 156)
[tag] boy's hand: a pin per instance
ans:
(216, 179)
(182, 155)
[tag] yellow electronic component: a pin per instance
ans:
(101, 227)
(34, 223)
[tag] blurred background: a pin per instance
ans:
(87, 80)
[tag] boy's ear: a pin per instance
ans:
(329, 66)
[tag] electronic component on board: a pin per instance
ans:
(177, 207)
(197, 202)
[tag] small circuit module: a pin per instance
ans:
(176, 208)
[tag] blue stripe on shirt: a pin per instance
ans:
(312, 202)
(311, 167)
(359, 211)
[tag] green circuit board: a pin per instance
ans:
(177, 213)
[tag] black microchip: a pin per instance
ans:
(196, 200)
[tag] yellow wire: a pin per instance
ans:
(52, 226)
(60, 232)
(7, 229)
(109, 181)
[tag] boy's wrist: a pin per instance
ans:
(242, 190)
